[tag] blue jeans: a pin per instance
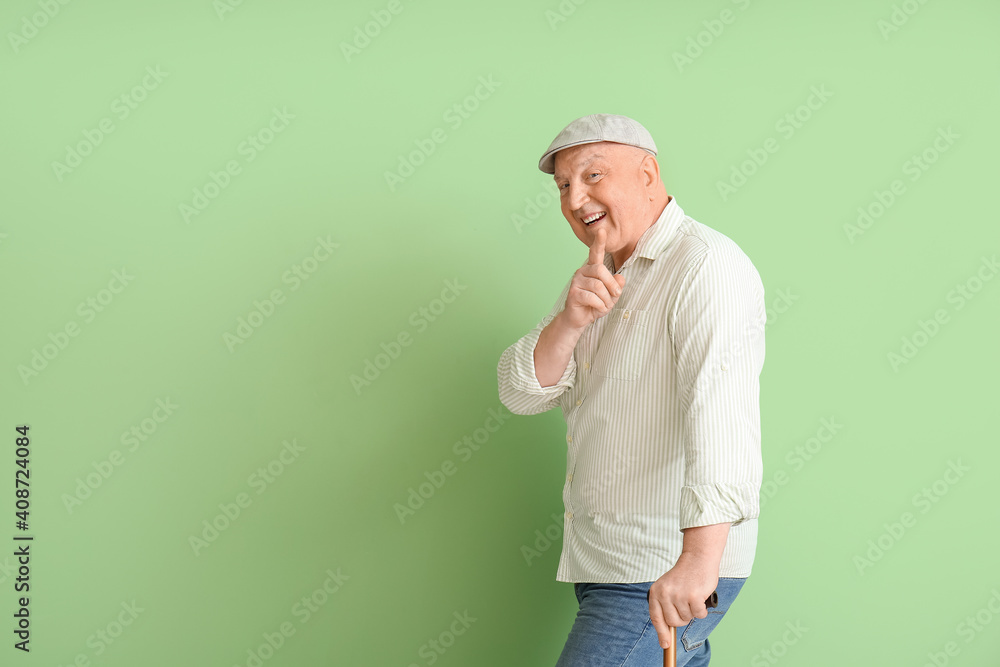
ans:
(613, 629)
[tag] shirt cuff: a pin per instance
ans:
(709, 504)
(523, 376)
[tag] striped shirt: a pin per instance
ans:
(662, 409)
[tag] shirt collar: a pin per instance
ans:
(656, 237)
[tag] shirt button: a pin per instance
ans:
(569, 477)
(569, 438)
(579, 401)
(586, 365)
(725, 367)
(625, 315)
(569, 515)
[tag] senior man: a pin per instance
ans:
(653, 350)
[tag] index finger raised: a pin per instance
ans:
(597, 249)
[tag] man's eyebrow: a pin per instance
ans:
(593, 157)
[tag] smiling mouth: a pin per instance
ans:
(591, 219)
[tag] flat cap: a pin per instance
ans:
(594, 128)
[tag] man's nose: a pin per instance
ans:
(577, 197)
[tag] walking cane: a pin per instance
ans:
(670, 653)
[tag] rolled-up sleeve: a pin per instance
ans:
(518, 383)
(718, 339)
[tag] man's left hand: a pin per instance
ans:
(680, 594)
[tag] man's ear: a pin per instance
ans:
(650, 170)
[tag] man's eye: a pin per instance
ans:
(593, 173)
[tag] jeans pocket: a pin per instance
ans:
(698, 629)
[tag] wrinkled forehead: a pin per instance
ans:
(575, 158)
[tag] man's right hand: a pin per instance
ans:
(593, 291)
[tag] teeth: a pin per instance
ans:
(590, 218)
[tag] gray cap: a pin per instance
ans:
(594, 128)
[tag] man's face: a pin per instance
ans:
(604, 178)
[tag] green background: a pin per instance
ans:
(356, 116)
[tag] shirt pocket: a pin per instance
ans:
(624, 347)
